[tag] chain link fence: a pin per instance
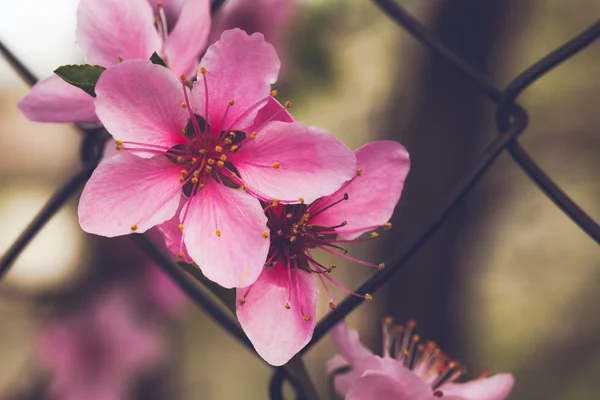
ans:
(511, 121)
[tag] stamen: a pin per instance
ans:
(218, 233)
(134, 227)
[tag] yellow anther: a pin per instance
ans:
(181, 178)
(194, 180)
(183, 77)
(265, 234)
(119, 144)
(203, 70)
(196, 173)
(234, 148)
(388, 320)
(359, 171)
(332, 266)
(201, 186)
(332, 305)
(253, 135)
(232, 134)
(381, 266)
(276, 165)
(134, 227)
(194, 160)
(275, 203)
(287, 305)
(301, 200)
(287, 104)
(184, 172)
(387, 226)
(368, 297)
(292, 239)
(245, 186)
(210, 161)
(182, 105)
(202, 151)
(374, 235)
(228, 141)
(208, 168)
(220, 164)
(288, 216)
(274, 92)
(218, 149)
(182, 131)
(218, 233)
(233, 175)
(180, 254)
(231, 102)
(179, 159)
(306, 318)
(243, 301)
(180, 227)
(223, 157)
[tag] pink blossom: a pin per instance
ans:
(96, 354)
(109, 31)
(161, 292)
(278, 312)
(408, 370)
(219, 146)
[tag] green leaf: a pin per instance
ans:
(156, 59)
(83, 76)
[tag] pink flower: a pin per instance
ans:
(278, 312)
(161, 291)
(97, 353)
(408, 370)
(218, 146)
(109, 31)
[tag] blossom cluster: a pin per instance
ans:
(203, 153)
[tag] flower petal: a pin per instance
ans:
(497, 387)
(276, 332)
(126, 190)
(188, 38)
(386, 378)
(291, 160)
(347, 343)
(141, 102)
(223, 234)
(171, 234)
(373, 195)
(272, 111)
(109, 29)
(54, 100)
(241, 67)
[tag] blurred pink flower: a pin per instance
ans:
(162, 292)
(97, 353)
(278, 312)
(408, 370)
(112, 30)
(212, 146)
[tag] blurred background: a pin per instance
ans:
(508, 283)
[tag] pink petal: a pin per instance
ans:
(109, 29)
(311, 162)
(188, 38)
(240, 68)
(172, 237)
(386, 378)
(276, 332)
(125, 190)
(347, 343)
(272, 111)
(236, 257)
(54, 100)
(372, 196)
(497, 387)
(141, 102)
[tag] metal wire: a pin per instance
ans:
(511, 121)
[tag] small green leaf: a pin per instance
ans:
(82, 76)
(156, 59)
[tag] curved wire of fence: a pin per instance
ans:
(511, 121)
